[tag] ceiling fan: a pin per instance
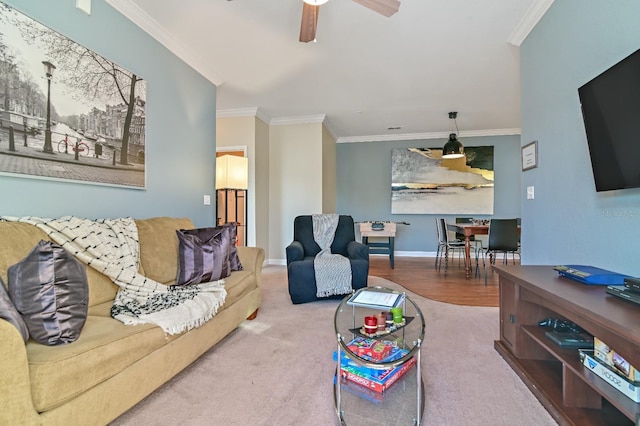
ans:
(310, 9)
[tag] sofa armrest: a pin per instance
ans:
(252, 259)
(15, 386)
(356, 250)
(295, 251)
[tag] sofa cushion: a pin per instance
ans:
(203, 255)
(49, 288)
(237, 285)
(159, 246)
(9, 312)
(101, 288)
(104, 349)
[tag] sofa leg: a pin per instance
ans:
(253, 316)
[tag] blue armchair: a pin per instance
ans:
(302, 251)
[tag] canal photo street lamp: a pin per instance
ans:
(48, 70)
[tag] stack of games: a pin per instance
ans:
(374, 379)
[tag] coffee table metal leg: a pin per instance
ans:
(338, 384)
(419, 388)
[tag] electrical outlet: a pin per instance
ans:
(530, 193)
(207, 200)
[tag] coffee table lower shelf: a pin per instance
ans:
(396, 406)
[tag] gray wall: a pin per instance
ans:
(364, 186)
(181, 111)
(569, 222)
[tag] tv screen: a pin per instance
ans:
(611, 112)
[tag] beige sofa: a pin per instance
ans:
(111, 367)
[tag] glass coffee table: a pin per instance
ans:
(379, 379)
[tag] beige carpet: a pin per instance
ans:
(277, 370)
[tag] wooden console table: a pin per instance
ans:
(572, 394)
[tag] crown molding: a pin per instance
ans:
(432, 135)
(246, 112)
(243, 112)
(530, 19)
(237, 112)
(149, 25)
(321, 118)
(329, 128)
(281, 121)
(303, 119)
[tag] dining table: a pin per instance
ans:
(469, 229)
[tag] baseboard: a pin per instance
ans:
(411, 254)
(431, 254)
(397, 254)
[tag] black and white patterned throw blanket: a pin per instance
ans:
(111, 247)
(333, 271)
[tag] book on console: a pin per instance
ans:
(590, 275)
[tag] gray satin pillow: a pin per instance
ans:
(50, 290)
(9, 312)
(203, 255)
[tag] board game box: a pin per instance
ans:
(371, 349)
(378, 384)
(608, 356)
(396, 353)
(615, 379)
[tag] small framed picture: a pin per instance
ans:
(529, 154)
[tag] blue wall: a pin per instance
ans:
(180, 114)
(364, 186)
(568, 222)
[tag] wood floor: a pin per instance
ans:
(419, 275)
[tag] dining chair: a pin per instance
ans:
(503, 238)
(476, 242)
(445, 246)
(519, 220)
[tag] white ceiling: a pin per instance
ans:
(366, 72)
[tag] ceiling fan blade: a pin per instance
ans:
(383, 7)
(309, 22)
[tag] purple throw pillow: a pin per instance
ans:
(49, 288)
(234, 260)
(9, 312)
(203, 255)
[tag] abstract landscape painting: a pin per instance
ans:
(422, 182)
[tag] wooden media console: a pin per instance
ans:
(570, 392)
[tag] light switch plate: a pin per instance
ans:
(207, 200)
(84, 5)
(530, 193)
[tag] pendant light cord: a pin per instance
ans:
(454, 115)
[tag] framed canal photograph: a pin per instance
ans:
(67, 113)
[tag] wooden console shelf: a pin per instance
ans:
(572, 394)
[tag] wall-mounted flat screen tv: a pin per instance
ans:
(611, 112)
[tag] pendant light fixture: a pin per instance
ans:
(453, 148)
(315, 2)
